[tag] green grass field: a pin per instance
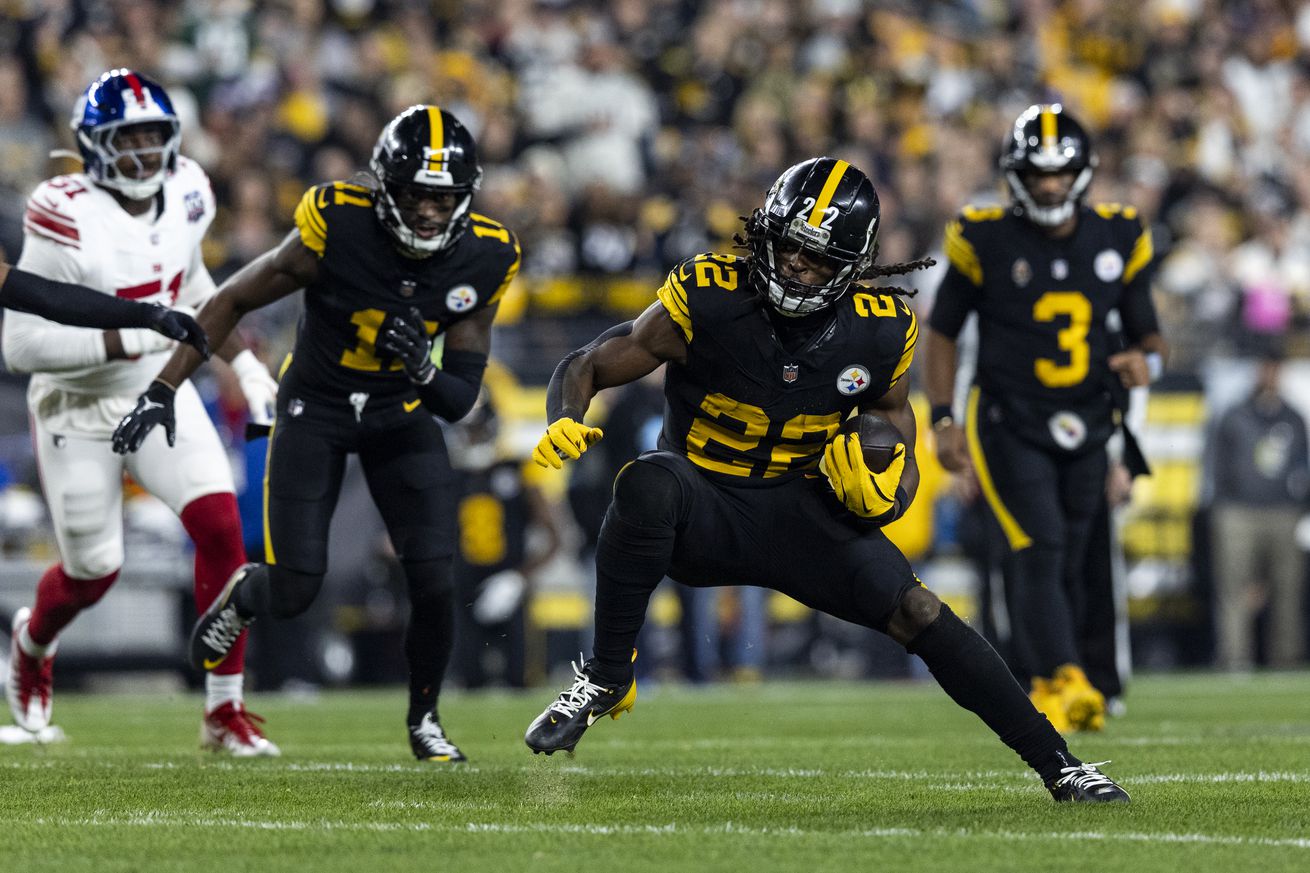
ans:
(784, 776)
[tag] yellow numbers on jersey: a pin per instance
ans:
(1072, 339)
(881, 305)
(710, 271)
(364, 355)
(482, 530)
(740, 427)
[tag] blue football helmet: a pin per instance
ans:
(118, 101)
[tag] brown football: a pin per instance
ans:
(878, 437)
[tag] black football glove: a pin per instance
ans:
(406, 338)
(154, 407)
(181, 327)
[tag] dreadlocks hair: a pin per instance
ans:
(874, 271)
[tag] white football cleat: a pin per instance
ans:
(29, 681)
(232, 729)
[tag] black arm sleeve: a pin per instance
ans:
(555, 390)
(1138, 312)
(454, 388)
(954, 302)
(71, 304)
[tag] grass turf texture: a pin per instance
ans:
(784, 776)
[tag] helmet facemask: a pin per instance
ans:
(1047, 140)
(390, 196)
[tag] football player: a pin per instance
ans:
(752, 484)
(1043, 275)
(129, 225)
(402, 283)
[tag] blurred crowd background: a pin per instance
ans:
(620, 137)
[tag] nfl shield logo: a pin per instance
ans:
(790, 372)
(195, 206)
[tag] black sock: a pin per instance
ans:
(631, 560)
(975, 677)
(429, 634)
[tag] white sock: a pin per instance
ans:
(223, 689)
(33, 649)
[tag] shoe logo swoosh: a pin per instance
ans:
(591, 718)
(411, 405)
(209, 665)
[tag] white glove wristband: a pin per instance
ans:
(138, 341)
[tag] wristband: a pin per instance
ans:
(941, 412)
(1154, 366)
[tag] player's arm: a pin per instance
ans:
(273, 275)
(952, 305)
(77, 306)
(1143, 361)
(448, 389)
(895, 407)
(620, 355)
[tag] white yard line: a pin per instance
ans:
(160, 819)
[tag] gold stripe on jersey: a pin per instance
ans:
(437, 132)
(1016, 535)
(825, 196)
(674, 298)
(509, 275)
(907, 354)
(269, 557)
(1143, 251)
(1050, 129)
(961, 253)
(309, 220)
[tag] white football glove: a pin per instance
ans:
(258, 385)
(138, 341)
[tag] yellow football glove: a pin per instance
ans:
(865, 493)
(564, 438)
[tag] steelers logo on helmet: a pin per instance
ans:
(421, 153)
(853, 379)
(461, 298)
(1047, 140)
(828, 210)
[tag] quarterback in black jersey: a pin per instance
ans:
(752, 483)
(402, 281)
(1044, 274)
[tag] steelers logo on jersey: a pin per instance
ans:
(853, 380)
(461, 298)
(1068, 429)
(1109, 265)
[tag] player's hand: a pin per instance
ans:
(406, 337)
(1131, 367)
(154, 407)
(564, 438)
(257, 384)
(865, 493)
(179, 326)
(952, 449)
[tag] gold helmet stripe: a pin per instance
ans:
(437, 139)
(825, 196)
(1049, 132)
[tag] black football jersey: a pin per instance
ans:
(1042, 303)
(744, 409)
(363, 279)
(493, 520)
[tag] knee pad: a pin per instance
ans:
(918, 609)
(431, 584)
(647, 494)
(291, 592)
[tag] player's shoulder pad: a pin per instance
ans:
(962, 236)
(1131, 235)
(891, 324)
(325, 205)
(496, 241)
(701, 287)
(55, 208)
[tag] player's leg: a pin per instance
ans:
(82, 482)
(652, 496)
(307, 459)
(194, 479)
(409, 476)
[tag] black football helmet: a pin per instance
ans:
(830, 209)
(1046, 139)
(425, 146)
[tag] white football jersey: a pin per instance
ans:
(76, 232)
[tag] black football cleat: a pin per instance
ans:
(217, 629)
(428, 742)
(576, 709)
(1086, 784)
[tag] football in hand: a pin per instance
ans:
(878, 438)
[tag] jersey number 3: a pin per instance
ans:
(1072, 340)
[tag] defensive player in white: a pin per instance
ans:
(129, 225)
